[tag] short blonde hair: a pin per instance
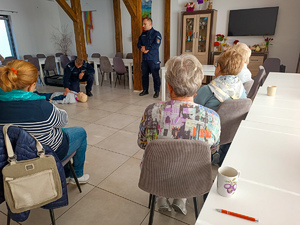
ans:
(81, 97)
(79, 61)
(184, 74)
(17, 74)
(231, 62)
(244, 50)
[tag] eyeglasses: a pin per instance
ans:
(216, 65)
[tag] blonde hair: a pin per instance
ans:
(17, 74)
(184, 74)
(244, 50)
(231, 62)
(81, 97)
(79, 61)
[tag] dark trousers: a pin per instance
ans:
(74, 85)
(149, 66)
(48, 96)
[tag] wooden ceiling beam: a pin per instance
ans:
(167, 30)
(65, 6)
(131, 6)
(118, 25)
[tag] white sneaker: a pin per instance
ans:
(163, 205)
(179, 206)
(82, 180)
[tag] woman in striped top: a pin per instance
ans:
(23, 108)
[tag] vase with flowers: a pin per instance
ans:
(220, 38)
(268, 40)
(190, 6)
(203, 4)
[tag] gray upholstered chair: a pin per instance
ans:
(257, 82)
(5, 61)
(105, 67)
(64, 60)
(231, 113)
(248, 85)
(50, 65)
(35, 62)
(73, 57)
(120, 69)
(40, 55)
(96, 55)
(58, 54)
(27, 57)
(176, 168)
(11, 58)
(272, 65)
(119, 54)
(129, 56)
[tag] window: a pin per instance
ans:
(6, 37)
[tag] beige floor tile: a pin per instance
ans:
(112, 106)
(90, 115)
(96, 133)
(3, 207)
(148, 101)
(71, 109)
(134, 126)
(3, 219)
(116, 120)
(160, 219)
(123, 142)
(139, 154)
(76, 123)
(133, 110)
(100, 163)
(124, 182)
(101, 207)
(129, 99)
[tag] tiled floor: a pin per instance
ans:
(111, 118)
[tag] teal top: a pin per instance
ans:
(19, 95)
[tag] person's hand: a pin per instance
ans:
(67, 90)
(146, 51)
(81, 75)
(143, 49)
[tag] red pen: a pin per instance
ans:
(237, 215)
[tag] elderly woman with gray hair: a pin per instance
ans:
(168, 119)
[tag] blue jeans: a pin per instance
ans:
(78, 143)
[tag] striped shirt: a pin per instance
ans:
(39, 118)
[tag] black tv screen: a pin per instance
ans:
(252, 22)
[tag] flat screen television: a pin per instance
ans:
(252, 22)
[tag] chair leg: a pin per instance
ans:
(74, 176)
(124, 80)
(150, 198)
(205, 197)
(196, 207)
(102, 78)
(116, 80)
(8, 218)
(152, 210)
(52, 216)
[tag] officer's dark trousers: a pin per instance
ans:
(74, 85)
(149, 66)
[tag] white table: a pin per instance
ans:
(127, 62)
(209, 70)
(42, 61)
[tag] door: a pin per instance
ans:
(188, 35)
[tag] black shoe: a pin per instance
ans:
(156, 94)
(143, 93)
(89, 93)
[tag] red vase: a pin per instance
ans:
(189, 9)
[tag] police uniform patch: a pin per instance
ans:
(157, 40)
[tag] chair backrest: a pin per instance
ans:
(27, 57)
(176, 168)
(272, 65)
(73, 57)
(248, 85)
(35, 62)
(64, 60)
(50, 63)
(96, 55)
(5, 61)
(58, 54)
(129, 56)
(257, 82)
(40, 55)
(119, 66)
(231, 113)
(105, 65)
(119, 54)
(10, 58)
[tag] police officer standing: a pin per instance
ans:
(78, 71)
(148, 43)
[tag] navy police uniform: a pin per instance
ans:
(151, 39)
(71, 76)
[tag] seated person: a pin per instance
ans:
(245, 74)
(78, 71)
(25, 109)
(226, 84)
(60, 98)
(224, 87)
(184, 76)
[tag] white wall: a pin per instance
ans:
(286, 45)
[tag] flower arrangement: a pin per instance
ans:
(190, 6)
(220, 37)
(235, 42)
(268, 40)
(221, 42)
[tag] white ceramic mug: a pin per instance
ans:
(271, 90)
(227, 181)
